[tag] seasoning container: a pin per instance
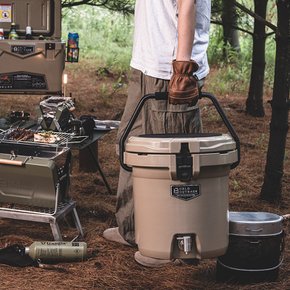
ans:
(2, 34)
(13, 33)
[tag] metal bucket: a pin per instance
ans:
(254, 254)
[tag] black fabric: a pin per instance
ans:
(14, 255)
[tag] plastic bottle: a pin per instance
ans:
(13, 33)
(57, 251)
(1, 33)
(28, 32)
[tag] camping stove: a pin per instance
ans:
(34, 175)
(180, 189)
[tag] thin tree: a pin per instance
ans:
(229, 21)
(254, 103)
(272, 186)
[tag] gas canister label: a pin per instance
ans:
(185, 192)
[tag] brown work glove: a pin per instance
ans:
(183, 88)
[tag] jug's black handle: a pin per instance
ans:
(226, 122)
(156, 96)
(164, 96)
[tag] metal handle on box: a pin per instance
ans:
(254, 230)
(11, 162)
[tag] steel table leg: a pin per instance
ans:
(55, 229)
(77, 222)
(100, 170)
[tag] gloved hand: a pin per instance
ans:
(183, 87)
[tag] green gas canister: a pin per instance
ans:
(57, 251)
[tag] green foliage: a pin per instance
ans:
(123, 6)
(105, 36)
(106, 40)
(235, 68)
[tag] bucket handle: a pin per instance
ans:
(156, 96)
(163, 96)
(226, 122)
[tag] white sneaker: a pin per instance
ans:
(113, 234)
(153, 262)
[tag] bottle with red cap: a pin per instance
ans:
(1, 34)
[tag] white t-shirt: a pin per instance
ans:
(155, 37)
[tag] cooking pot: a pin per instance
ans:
(255, 251)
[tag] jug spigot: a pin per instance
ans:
(185, 244)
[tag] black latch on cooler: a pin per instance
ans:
(184, 163)
(50, 46)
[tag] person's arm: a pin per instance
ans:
(186, 28)
(183, 88)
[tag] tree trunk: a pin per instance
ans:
(272, 187)
(254, 103)
(229, 19)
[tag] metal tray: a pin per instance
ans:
(62, 139)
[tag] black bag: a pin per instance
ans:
(14, 255)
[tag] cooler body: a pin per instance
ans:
(32, 66)
(28, 66)
(177, 214)
(161, 217)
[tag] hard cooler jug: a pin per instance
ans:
(180, 189)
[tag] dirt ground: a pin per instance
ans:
(102, 94)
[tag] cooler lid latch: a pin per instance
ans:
(184, 163)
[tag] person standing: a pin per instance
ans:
(169, 54)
